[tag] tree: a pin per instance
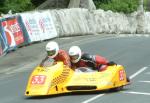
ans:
(37, 2)
(126, 6)
(16, 6)
(2, 2)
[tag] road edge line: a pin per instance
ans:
(138, 72)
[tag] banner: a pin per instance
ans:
(39, 25)
(13, 32)
(3, 40)
(3, 45)
(1, 50)
(31, 26)
(46, 25)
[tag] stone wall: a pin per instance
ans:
(77, 21)
(72, 22)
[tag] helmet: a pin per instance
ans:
(52, 49)
(75, 54)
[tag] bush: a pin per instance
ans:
(126, 6)
(16, 6)
(37, 2)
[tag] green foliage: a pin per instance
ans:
(147, 5)
(126, 6)
(37, 2)
(2, 2)
(16, 6)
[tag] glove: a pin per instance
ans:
(111, 63)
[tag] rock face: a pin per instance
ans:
(82, 18)
(88, 4)
(72, 22)
(79, 21)
(53, 4)
(74, 4)
(140, 22)
(50, 4)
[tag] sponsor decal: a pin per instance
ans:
(121, 75)
(105, 75)
(32, 26)
(108, 83)
(42, 26)
(28, 27)
(39, 25)
(38, 79)
(90, 79)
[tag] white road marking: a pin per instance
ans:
(145, 81)
(138, 72)
(5, 70)
(91, 99)
(131, 77)
(133, 35)
(146, 35)
(134, 75)
(148, 73)
(22, 68)
(66, 38)
(141, 93)
(138, 35)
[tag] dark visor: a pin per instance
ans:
(74, 57)
(51, 53)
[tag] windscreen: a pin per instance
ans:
(47, 62)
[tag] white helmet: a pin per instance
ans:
(75, 54)
(52, 49)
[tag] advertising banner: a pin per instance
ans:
(31, 26)
(1, 50)
(39, 25)
(13, 32)
(46, 25)
(3, 40)
(3, 45)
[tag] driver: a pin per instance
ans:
(79, 59)
(57, 54)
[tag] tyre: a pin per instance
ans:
(116, 89)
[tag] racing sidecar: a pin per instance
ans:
(56, 78)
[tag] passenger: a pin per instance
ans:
(79, 59)
(57, 54)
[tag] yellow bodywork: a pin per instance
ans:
(59, 78)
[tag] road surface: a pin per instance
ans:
(132, 51)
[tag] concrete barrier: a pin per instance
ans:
(70, 22)
(146, 22)
(77, 21)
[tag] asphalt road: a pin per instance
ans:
(131, 51)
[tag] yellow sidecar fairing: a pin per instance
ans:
(58, 79)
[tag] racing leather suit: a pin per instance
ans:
(96, 62)
(62, 56)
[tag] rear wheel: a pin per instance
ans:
(116, 89)
(128, 79)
